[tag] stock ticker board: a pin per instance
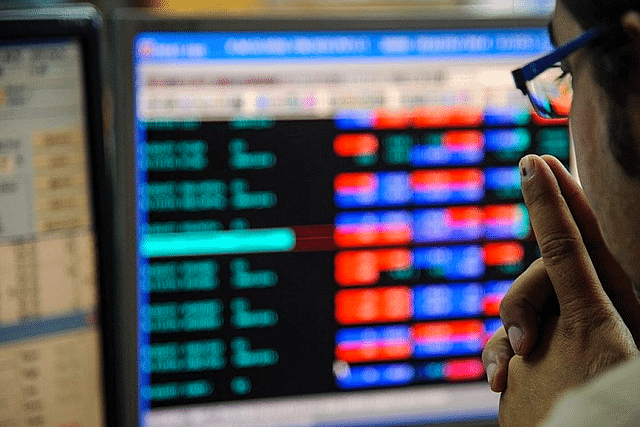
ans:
(366, 251)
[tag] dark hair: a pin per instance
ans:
(616, 61)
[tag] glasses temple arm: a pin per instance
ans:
(533, 69)
(521, 82)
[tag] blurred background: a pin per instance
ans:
(479, 7)
(502, 121)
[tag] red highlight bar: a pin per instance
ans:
(374, 344)
(394, 259)
(355, 182)
(314, 237)
(434, 178)
(356, 268)
(396, 303)
(463, 369)
(375, 231)
(471, 216)
(466, 176)
(436, 116)
(395, 234)
(358, 144)
(471, 139)
(502, 213)
(366, 352)
(373, 352)
(445, 330)
(379, 305)
(391, 119)
(396, 351)
(503, 253)
(446, 177)
(362, 236)
(491, 306)
(364, 267)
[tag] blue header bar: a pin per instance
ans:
(479, 43)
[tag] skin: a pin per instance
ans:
(582, 333)
(573, 314)
(614, 196)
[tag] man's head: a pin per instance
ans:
(615, 59)
(605, 116)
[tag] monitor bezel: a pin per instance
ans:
(84, 24)
(128, 23)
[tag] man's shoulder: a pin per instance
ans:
(612, 399)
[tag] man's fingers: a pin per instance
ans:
(613, 279)
(565, 256)
(495, 357)
(606, 266)
(529, 297)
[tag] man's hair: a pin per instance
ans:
(616, 62)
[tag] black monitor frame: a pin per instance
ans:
(84, 24)
(127, 23)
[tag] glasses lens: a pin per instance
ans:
(551, 93)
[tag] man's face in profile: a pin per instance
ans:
(596, 122)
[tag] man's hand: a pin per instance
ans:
(558, 314)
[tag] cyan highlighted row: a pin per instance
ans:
(217, 242)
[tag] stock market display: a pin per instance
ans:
(296, 242)
(361, 248)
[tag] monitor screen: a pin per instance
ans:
(50, 341)
(48, 287)
(327, 219)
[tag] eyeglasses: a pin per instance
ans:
(544, 82)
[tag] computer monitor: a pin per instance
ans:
(321, 215)
(54, 234)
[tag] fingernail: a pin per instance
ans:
(515, 337)
(491, 372)
(527, 167)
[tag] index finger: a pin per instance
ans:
(563, 251)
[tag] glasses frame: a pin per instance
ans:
(534, 68)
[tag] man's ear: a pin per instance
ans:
(630, 22)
